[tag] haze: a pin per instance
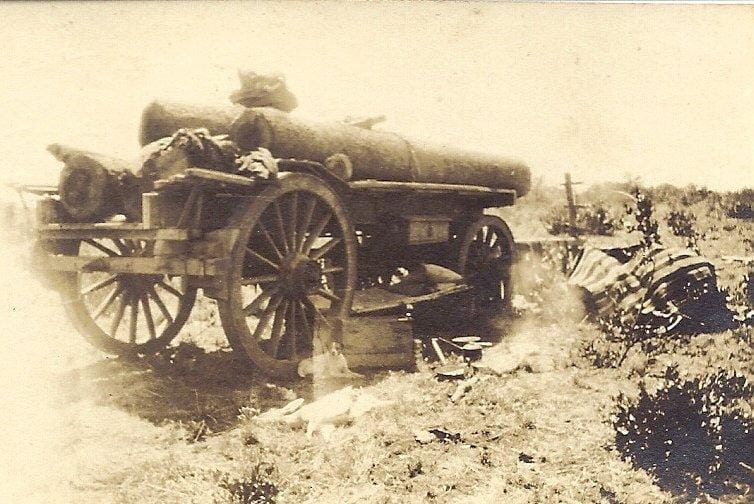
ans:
(665, 93)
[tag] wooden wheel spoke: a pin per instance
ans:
(318, 228)
(306, 220)
(479, 236)
(148, 316)
(280, 225)
(292, 220)
(320, 252)
(133, 319)
(119, 312)
(170, 289)
(291, 331)
(97, 313)
(277, 328)
(107, 250)
(120, 246)
(262, 258)
(266, 314)
(160, 304)
(254, 307)
(99, 285)
(270, 240)
(328, 295)
(260, 279)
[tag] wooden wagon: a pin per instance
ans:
(286, 258)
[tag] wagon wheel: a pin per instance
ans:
(293, 272)
(125, 314)
(485, 257)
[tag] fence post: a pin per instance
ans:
(572, 228)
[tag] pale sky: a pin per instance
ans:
(662, 92)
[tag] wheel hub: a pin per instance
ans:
(300, 276)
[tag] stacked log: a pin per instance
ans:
(93, 186)
(373, 154)
(162, 119)
(378, 155)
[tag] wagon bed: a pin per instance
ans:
(279, 256)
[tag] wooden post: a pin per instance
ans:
(572, 228)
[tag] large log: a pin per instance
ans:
(94, 187)
(374, 154)
(378, 155)
(161, 119)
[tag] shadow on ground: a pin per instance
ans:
(193, 390)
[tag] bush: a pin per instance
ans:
(619, 333)
(683, 224)
(643, 211)
(692, 434)
(594, 219)
(740, 205)
(256, 487)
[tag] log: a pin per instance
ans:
(94, 187)
(161, 119)
(373, 154)
(378, 155)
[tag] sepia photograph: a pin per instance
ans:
(376, 252)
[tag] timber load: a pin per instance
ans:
(373, 154)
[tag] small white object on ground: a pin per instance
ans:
(323, 415)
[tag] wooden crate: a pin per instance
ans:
(378, 342)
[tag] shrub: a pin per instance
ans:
(683, 224)
(643, 211)
(593, 219)
(256, 487)
(692, 434)
(619, 333)
(740, 300)
(740, 205)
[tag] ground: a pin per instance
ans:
(534, 427)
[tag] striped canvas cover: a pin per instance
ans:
(670, 288)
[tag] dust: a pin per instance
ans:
(34, 351)
(544, 306)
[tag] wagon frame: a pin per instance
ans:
(283, 257)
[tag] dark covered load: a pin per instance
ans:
(374, 154)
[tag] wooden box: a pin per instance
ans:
(378, 342)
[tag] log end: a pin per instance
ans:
(83, 188)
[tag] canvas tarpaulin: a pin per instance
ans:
(669, 289)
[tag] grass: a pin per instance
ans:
(536, 429)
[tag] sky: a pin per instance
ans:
(661, 92)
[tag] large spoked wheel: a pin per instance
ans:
(293, 273)
(125, 314)
(485, 259)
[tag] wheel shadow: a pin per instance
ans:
(201, 391)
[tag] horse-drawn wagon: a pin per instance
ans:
(285, 245)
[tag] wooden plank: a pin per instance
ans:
(210, 178)
(41, 190)
(113, 230)
(427, 187)
(218, 176)
(371, 301)
(141, 265)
